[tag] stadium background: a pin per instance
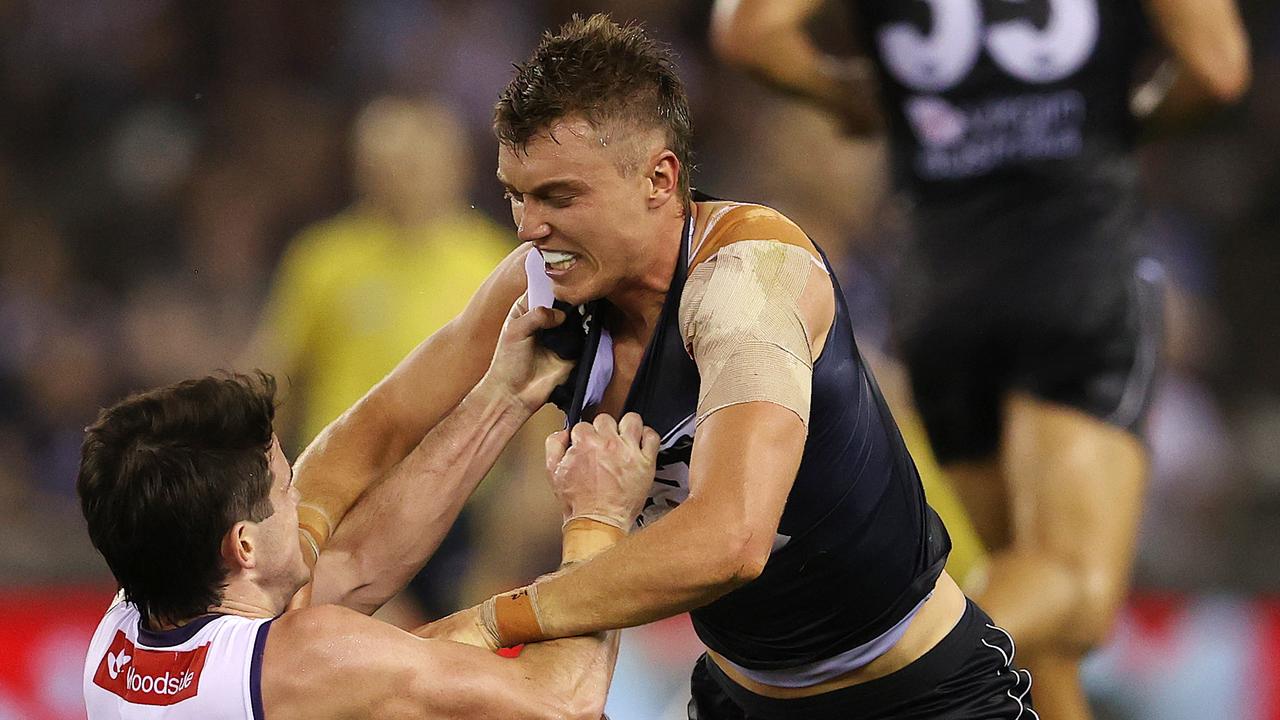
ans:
(159, 158)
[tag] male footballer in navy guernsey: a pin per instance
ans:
(1025, 313)
(785, 512)
(210, 533)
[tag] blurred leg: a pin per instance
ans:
(1075, 488)
(981, 488)
(1055, 686)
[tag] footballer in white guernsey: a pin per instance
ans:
(246, 588)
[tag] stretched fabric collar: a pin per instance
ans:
(541, 295)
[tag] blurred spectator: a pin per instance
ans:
(357, 292)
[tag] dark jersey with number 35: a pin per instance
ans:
(988, 92)
(1012, 135)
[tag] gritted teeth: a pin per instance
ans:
(555, 257)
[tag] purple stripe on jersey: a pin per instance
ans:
(255, 669)
(176, 636)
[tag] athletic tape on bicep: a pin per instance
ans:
(741, 319)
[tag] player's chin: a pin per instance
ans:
(301, 574)
(577, 289)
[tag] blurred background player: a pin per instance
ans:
(356, 292)
(1025, 312)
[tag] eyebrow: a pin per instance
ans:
(548, 187)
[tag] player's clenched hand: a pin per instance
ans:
(606, 473)
(520, 365)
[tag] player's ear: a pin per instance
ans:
(664, 177)
(238, 546)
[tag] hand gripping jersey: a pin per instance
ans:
(208, 669)
(858, 549)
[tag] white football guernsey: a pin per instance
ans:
(208, 669)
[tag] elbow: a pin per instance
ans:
(733, 48)
(735, 39)
(1226, 75)
(1229, 84)
(580, 708)
(745, 554)
(751, 562)
(342, 577)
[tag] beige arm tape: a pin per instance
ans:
(585, 535)
(740, 317)
(327, 493)
(512, 618)
(314, 529)
(516, 617)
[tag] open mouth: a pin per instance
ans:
(557, 261)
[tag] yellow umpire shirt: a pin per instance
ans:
(355, 294)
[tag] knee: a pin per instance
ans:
(1097, 596)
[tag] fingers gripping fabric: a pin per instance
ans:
(742, 324)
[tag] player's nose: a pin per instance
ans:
(531, 225)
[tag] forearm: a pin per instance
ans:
(339, 465)
(679, 563)
(719, 539)
(392, 530)
(569, 678)
(577, 671)
(791, 64)
(376, 433)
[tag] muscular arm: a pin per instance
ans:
(767, 38)
(396, 526)
(1210, 64)
(745, 454)
(331, 662)
(384, 426)
(716, 541)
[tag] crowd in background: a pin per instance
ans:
(159, 158)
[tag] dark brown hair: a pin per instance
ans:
(165, 474)
(607, 74)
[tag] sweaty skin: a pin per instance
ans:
(389, 673)
(721, 536)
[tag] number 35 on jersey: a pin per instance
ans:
(1037, 50)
